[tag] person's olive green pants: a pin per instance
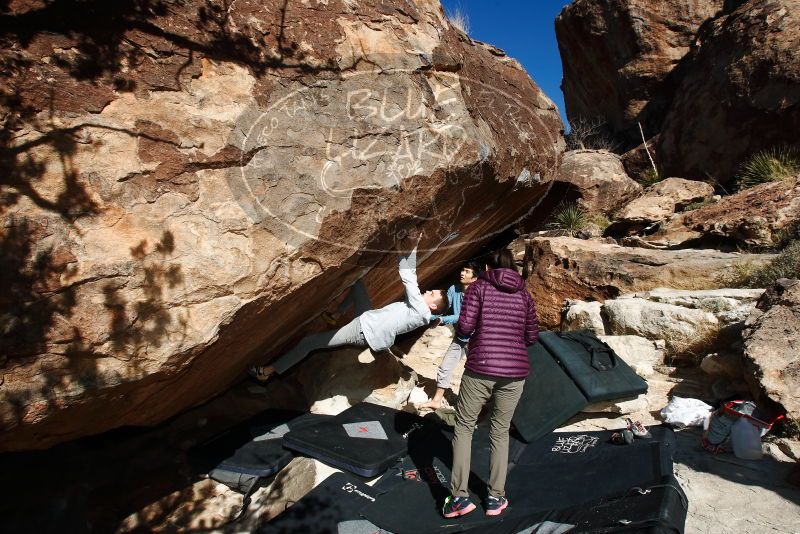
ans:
(474, 392)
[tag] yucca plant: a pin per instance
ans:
(570, 218)
(772, 165)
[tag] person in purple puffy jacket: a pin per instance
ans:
(499, 316)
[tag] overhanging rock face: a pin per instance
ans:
(185, 187)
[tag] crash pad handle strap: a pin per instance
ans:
(594, 351)
(246, 500)
(645, 491)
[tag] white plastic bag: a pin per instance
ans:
(682, 412)
(746, 440)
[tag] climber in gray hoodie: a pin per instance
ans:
(375, 329)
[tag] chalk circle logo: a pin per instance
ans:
(305, 152)
(574, 444)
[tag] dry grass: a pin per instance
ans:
(683, 352)
(748, 274)
(459, 18)
(600, 219)
(697, 205)
(649, 177)
(590, 134)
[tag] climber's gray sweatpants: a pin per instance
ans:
(349, 334)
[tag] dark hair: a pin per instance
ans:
(476, 267)
(501, 259)
(445, 300)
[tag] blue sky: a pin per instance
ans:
(524, 29)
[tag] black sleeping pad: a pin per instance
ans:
(595, 368)
(254, 447)
(366, 439)
(549, 399)
(331, 508)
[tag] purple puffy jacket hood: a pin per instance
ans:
(506, 280)
(499, 315)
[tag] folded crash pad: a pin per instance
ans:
(331, 508)
(366, 439)
(595, 368)
(249, 452)
(549, 399)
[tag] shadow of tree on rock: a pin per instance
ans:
(146, 322)
(40, 338)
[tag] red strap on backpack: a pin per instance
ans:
(733, 408)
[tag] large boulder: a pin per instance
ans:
(682, 329)
(352, 375)
(599, 179)
(618, 57)
(659, 202)
(729, 305)
(564, 268)
(681, 192)
(186, 188)
(580, 315)
(738, 92)
(759, 217)
(691, 323)
(686, 324)
(772, 347)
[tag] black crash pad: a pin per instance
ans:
(570, 468)
(366, 439)
(254, 447)
(431, 447)
(331, 508)
(550, 397)
(421, 482)
(599, 373)
(559, 471)
(657, 508)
